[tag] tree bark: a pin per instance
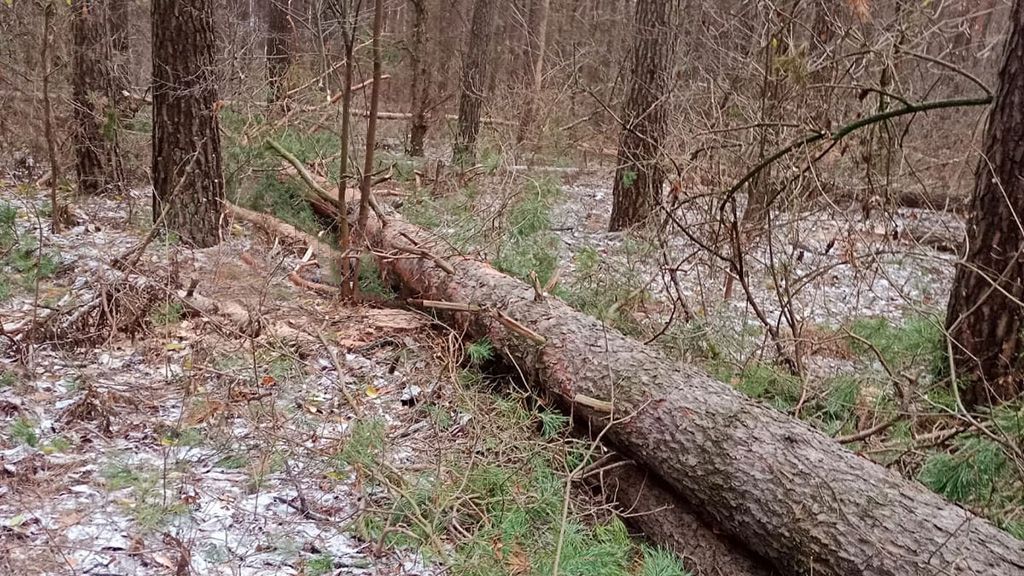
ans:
(476, 62)
(422, 79)
(94, 99)
(984, 317)
(186, 140)
(538, 33)
(639, 176)
(280, 33)
(792, 495)
(371, 123)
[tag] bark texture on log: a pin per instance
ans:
(646, 503)
(792, 495)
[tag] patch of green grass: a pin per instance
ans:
(319, 565)
(967, 475)
(480, 351)
(166, 314)
(609, 293)
(370, 280)
(120, 475)
(191, 436)
(233, 462)
(769, 383)
(8, 232)
(552, 424)
(918, 341)
(285, 199)
(365, 444)
(23, 430)
(528, 245)
(7, 378)
(57, 445)
(658, 561)
(506, 493)
(27, 263)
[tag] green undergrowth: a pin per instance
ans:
(527, 245)
(491, 501)
(253, 174)
(22, 263)
(917, 343)
(980, 471)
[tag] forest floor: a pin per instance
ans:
(346, 439)
(337, 439)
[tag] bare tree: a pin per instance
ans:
(640, 176)
(188, 186)
(280, 35)
(475, 69)
(94, 97)
(58, 212)
(538, 34)
(985, 315)
(371, 125)
(422, 77)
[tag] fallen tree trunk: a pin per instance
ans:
(645, 502)
(786, 491)
(648, 505)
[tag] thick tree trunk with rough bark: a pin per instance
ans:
(985, 316)
(476, 62)
(94, 99)
(280, 32)
(792, 495)
(188, 186)
(421, 65)
(640, 176)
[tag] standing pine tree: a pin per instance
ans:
(94, 98)
(188, 187)
(639, 176)
(985, 316)
(476, 62)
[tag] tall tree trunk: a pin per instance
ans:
(985, 315)
(476, 62)
(538, 33)
(371, 124)
(639, 176)
(94, 98)
(188, 186)
(280, 33)
(119, 21)
(58, 212)
(422, 79)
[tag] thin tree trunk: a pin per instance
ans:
(57, 211)
(419, 61)
(280, 34)
(476, 63)
(186, 139)
(639, 176)
(790, 494)
(985, 316)
(94, 99)
(538, 31)
(371, 124)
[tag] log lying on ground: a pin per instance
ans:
(648, 504)
(789, 493)
(651, 506)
